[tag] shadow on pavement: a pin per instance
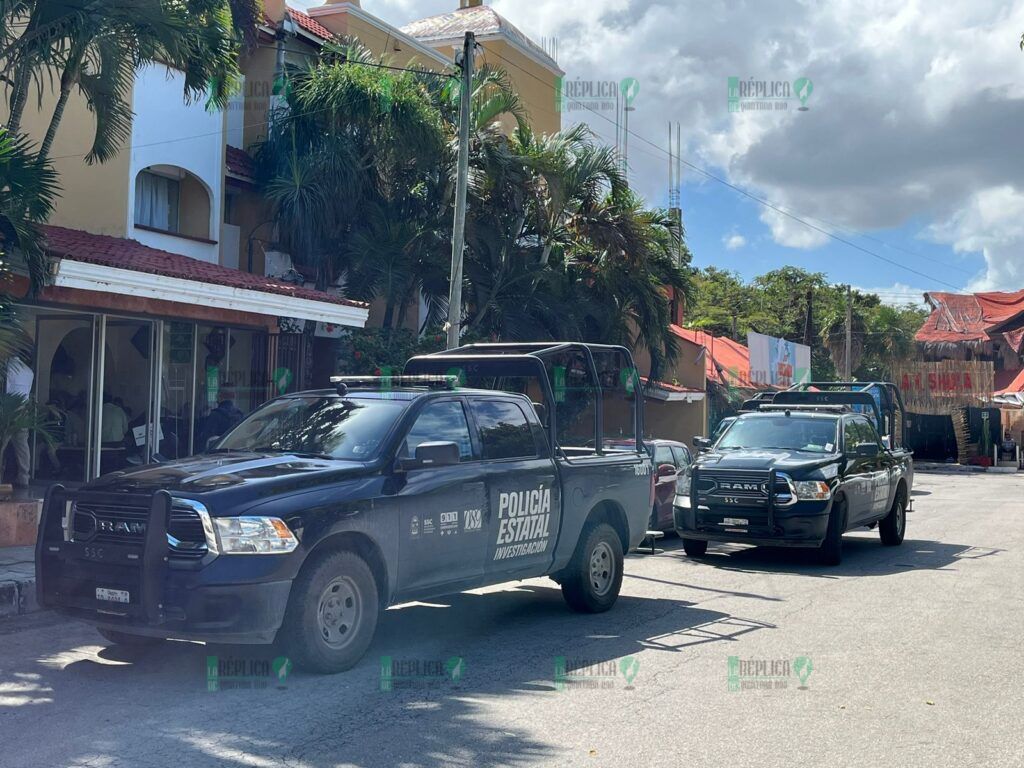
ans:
(509, 643)
(863, 555)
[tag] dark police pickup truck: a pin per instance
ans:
(799, 470)
(323, 508)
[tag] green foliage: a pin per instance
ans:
(379, 351)
(360, 168)
(18, 413)
(777, 304)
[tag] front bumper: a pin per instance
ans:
(802, 525)
(226, 598)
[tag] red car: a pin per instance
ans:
(671, 467)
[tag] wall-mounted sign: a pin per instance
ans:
(938, 388)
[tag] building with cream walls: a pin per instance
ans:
(167, 298)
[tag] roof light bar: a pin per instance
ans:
(345, 383)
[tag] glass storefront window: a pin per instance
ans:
(63, 378)
(230, 381)
(126, 399)
(177, 386)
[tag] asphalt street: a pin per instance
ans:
(905, 656)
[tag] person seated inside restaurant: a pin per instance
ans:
(114, 422)
(222, 419)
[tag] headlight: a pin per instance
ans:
(254, 536)
(812, 490)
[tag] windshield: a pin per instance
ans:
(791, 433)
(331, 427)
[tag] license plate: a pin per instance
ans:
(112, 595)
(735, 521)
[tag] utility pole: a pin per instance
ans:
(461, 182)
(847, 367)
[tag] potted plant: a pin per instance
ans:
(17, 413)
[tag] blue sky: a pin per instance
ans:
(909, 148)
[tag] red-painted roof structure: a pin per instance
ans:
(239, 162)
(727, 362)
(974, 318)
(76, 245)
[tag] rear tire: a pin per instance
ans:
(593, 578)
(332, 613)
(831, 550)
(894, 525)
(695, 547)
(128, 640)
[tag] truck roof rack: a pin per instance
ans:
(426, 381)
(822, 408)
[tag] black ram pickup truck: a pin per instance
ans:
(799, 470)
(323, 508)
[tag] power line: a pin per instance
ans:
(752, 196)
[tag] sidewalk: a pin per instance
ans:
(17, 581)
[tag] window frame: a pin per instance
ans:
(539, 452)
(474, 444)
(173, 228)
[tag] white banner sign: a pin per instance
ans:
(777, 362)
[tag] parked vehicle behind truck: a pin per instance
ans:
(800, 469)
(323, 508)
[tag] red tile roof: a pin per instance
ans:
(239, 162)
(119, 252)
(727, 362)
(310, 24)
(973, 317)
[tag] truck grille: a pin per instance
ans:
(126, 525)
(748, 488)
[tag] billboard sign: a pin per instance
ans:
(777, 362)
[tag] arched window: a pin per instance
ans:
(170, 199)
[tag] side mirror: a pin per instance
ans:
(438, 454)
(887, 442)
(210, 443)
(702, 442)
(865, 450)
(666, 471)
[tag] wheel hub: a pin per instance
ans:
(339, 612)
(602, 568)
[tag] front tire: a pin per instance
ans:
(593, 578)
(332, 614)
(831, 550)
(894, 525)
(695, 547)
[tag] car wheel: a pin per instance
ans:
(129, 640)
(831, 550)
(894, 525)
(332, 613)
(695, 547)
(593, 578)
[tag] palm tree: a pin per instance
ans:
(96, 47)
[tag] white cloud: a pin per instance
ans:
(897, 294)
(733, 242)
